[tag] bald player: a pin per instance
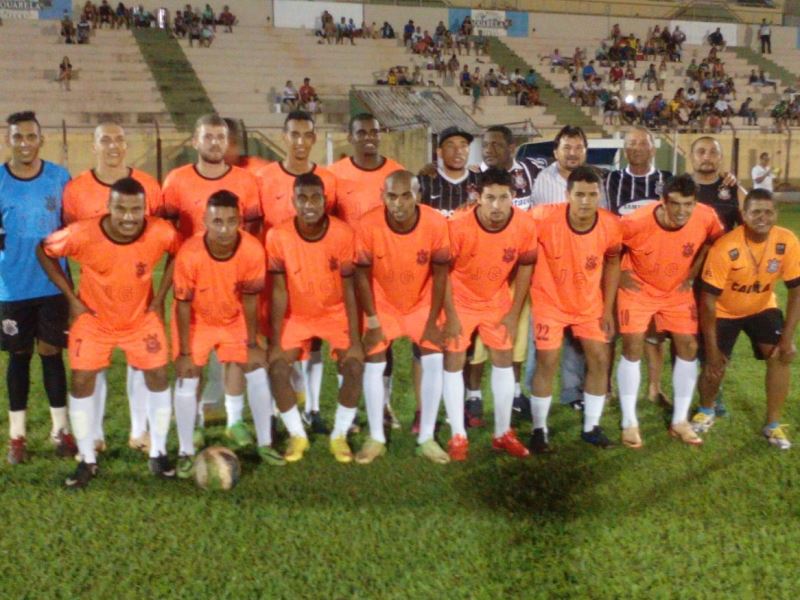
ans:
(86, 197)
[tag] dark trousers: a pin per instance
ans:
(766, 44)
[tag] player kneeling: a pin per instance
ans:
(311, 263)
(219, 274)
(738, 295)
(665, 244)
(403, 256)
(574, 285)
(487, 243)
(115, 307)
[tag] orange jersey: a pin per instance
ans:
(86, 197)
(116, 279)
(661, 259)
(482, 260)
(214, 286)
(186, 193)
(743, 274)
(252, 164)
(401, 262)
(277, 191)
(359, 190)
(568, 275)
(313, 269)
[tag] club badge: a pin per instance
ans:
(773, 265)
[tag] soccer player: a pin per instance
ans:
(234, 156)
(277, 193)
(86, 197)
(219, 273)
(115, 307)
(32, 309)
(665, 244)
(403, 257)
(738, 283)
(487, 243)
(715, 187)
(453, 185)
(575, 285)
(313, 296)
(637, 185)
(360, 178)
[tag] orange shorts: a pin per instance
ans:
(229, 342)
(91, 343)
(396, 324)
(676, 313)
(298, 332)
(487, 322)
(549, 329)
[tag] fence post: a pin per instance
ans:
(64, 145)
(159, 166)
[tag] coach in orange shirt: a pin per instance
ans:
(403, 256)
(219, 274)
(86, 197)
(487, 243)
(313, 296)
(665, 245)
(574, 285)
(115, 307)
(738, 283)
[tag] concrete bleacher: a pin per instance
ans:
(110, 77)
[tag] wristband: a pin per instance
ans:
(373, 322)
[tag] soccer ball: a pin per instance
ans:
(217, 468)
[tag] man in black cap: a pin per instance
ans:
(453, 185)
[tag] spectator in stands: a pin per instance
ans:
(387, 31)
(227, 19)
(309, 101)
(662, 74)
(452, 67)
(531, 80)
(481, 44)
(84, 28)
(207, 18)
(650, 76)
(616, 74)
(678, 38)
(142, 17)
(490, 82)
(616, 33)
(780, 114)
(723, 109)
(630, 74)
(68, 29)
(122, 16)
(716, 39)
(105, 14)
(465, 80)
(764, 82)
(179, 25)
(90, 12)
(477, 91)
(588, 71)
(408, 32)
(748, 113)
(611, 110)
(289, 96)
(765, 35)
(194, 30)
(65, 74)
(206, 36)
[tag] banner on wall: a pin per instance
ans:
(498, 23)
(34, 9)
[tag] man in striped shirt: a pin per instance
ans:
(498, 152)
(453, 185)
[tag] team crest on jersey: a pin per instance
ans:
(591, 262)
(422, 257)
(688, 249)
(772, 265)
(724, 193)
(733, 254)
(780, 248)
(472, 193)
(519, 179)
(509, 254)
(141, 269)
(152, 344)
(50, 203)
(10, 327)
(659, 188)
(333, 263)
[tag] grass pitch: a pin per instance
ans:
(667, 521)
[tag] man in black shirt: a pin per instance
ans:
(718, 189)
(453, 185)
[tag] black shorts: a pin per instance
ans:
(45, 319)
(762, 328)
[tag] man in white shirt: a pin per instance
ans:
(765, 35)
(762, 173)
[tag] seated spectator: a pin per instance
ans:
(780, 115)
(227, 19)
(716, 40)
(616, 74)
(207, 17)
(141, 17)
(691, 70)
(611, 110)
(90, 12)
(490, 82)
(452, 66)
(530, 79)
(391, 77)
(588, 71)
(308, 97)
(408, 32)
(68, 29)
(206, 35)
(122, 16)
(65, 74)
(194, 31)
(179, 25)
(748, 113)
(387, 31)
(105, 15)
(764, 82)
(630, 74)
(629, 112)
(84, 28)
(289, 96)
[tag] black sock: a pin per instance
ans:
(55, 380)
(18, 380)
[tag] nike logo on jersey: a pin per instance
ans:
(736, 268)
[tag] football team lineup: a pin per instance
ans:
(536, 268)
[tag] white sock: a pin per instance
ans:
(314, 378)
(100, 393)
(234, 405)
(137, 401)
(431, 394)
(474, 394)
(213, 391)
(540, 408)
(342, 421)
(503, 392)
(159, 413)
(684, 378)
(16, 424)
(592, 410)
(260, 401)
(629, 376)
(453, 392)
(292, 422)
(58, 416)
(517, 389)
(339, 380)
(186, 413)
(387, 389)
(82, 415)
(374, 398)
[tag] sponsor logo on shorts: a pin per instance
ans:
(152, 344)
(773, 265)
(591, 262)
(10, 327)
(688, 249)
(423, 256)
(733, 254)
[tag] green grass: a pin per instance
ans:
(667, 521)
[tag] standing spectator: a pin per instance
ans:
(65, 73)
(678, 37)
(716, 40)
(408, 32)
(68, 29)
(227, 19)
(765, 35)
(84, 28)
(477, 91)
(762, 173)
